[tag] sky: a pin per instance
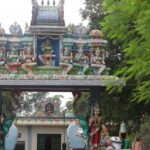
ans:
(67, 97)
(20, 11)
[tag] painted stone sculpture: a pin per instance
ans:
(48, 54)
(11, 138)
(82, 112)
(82, 60)
(13, 62)
(29, 61)
(15, 29)
(66, 61)
(75, 141)
(9, 108)
(95, 123)
(2, 59)
(97, 62)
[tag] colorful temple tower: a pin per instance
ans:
(48, 28)
(74, 62)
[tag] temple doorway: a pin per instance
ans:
(20, 145)
(48, 142)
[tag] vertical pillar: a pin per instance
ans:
(94, 95)
(64, 143)
(1, 113)
(34, 45)
(1, 102)
(29, 135)
(60, 46)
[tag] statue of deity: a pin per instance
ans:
(13, 61)
(29, 60)
(48, 54)
(15, 29)
(98, 131)
(95, 123)
(66, 59)
(82, 60)
(27, 29)
(97, 62)
(2, 58)
(8, 114)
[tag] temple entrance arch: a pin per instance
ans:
(52, 57)
(94, 87)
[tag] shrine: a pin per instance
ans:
(49, 56)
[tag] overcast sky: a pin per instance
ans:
(20, 11)
(67, 97)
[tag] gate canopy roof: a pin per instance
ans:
(60, 83)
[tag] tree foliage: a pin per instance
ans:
(117, 107)
(69, 106)
(145, 133)
(93, 12)
(31, 102)
(127, 22)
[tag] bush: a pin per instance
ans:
(145, 133)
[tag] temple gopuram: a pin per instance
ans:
(49, 56)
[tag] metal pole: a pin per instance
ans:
(64, 143)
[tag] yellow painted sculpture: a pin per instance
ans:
(13, 61)
(48, 53)
(66, 61)
(29, 61)
(97, 62)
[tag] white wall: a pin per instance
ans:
(23, 131)
(39, 130)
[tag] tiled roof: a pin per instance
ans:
(48, 15)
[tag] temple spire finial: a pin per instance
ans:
(54, 2)
(48, 2)
(42, 2)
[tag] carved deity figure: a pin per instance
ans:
(98, 131)
(66, 59)
(97, 62)
(13, 61)
(8, 113)
(48, 54)
(82, 60)
(95, 123)
(15, 29)
(2, 58)
(27, 29)
(61, 11)
(29, 61)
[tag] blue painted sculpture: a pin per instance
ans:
(11, 138)
(75, 140)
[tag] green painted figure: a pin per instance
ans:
(9, 106)
(13, 62)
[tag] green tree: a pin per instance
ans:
(145, 133)
(117, 107)
(69, 106)
(31, 102)
(127, 22)
(123, 107)
(93, 12)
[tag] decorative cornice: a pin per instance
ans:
(22, 121)
(63, 82)
(48, 30)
